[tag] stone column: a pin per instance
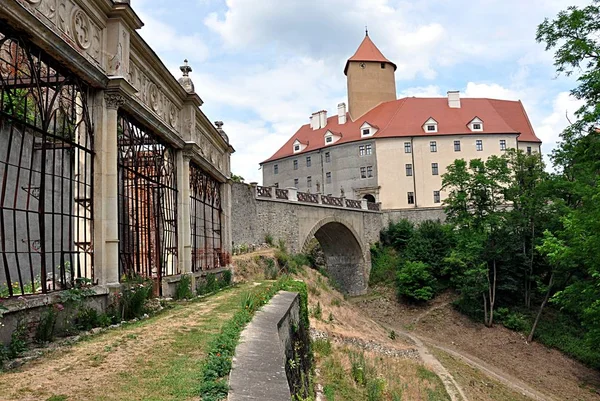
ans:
(106, 169)
(363, 204)
(184, 246)
(227, 236)
(292, 194)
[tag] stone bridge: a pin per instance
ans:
(345, 228)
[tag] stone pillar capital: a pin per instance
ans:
(113, 100)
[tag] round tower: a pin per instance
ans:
(370, 77)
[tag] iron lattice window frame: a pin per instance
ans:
(206, 214)
(147, 194)
(46, 165)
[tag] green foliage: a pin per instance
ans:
(237, 178)
(385, 262)
(392, 335)
(211, 284)
(322, 347)
(226, 277)
(271, 271)
(415, 281)
(130, 302)
(375, 389)
(45, 329)
(515, 321)
(317, 311)
(183, 289)
(269, 240)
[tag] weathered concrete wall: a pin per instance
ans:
(259, 365)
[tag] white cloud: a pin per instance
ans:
(164, 39)
(421, 91)
(493, 91)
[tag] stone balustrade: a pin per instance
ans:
(293, 195)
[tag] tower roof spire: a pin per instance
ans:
(366, 30)
(367, 51)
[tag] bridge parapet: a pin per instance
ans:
(293, 195)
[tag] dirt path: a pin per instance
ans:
(531, 369)
(83, 371)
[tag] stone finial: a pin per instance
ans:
(185, 80)
(219, 125)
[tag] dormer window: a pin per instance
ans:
(332, 137)
(430, 126)
(476, 124)
(368, 130)
(299, 146)
(329, 139)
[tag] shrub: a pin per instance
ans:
(415, 281)
(271, 271)
(269, 240)
(226, 277)
(375, 389)
(397, 234)
(130, 301)
(45, 329)
(385, 262)
(322, 346)
(87, 318)
(317, 312)
(183, 289)
(18, 341)
(515, 321)
(211, 283)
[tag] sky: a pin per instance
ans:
(264, 66)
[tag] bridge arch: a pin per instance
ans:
(347, 257)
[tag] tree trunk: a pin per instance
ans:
(493, 295)
(539, 314)
(485, 312)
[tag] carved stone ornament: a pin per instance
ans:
(80, 24)
(154, 97)
(173, 115)
(113, 100)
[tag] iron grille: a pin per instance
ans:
(207, 241)
(147, 202)
(46, 168)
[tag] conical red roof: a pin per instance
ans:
(367, 51)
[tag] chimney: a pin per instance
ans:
(342, 113)
(454, 99)
(318, 120)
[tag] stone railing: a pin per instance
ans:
(281, 193)
(293, 195)
(353, 204)
(332, 200)
(264, 192)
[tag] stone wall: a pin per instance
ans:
(416, 215)
(261, 357)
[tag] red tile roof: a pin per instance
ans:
(367, 51)
(405, 118)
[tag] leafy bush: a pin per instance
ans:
(87, 318)
(269, 240)
(375, 389)
(317, 312)
(183, 289)
(397, 235)
(415, 281)
(515, 321)
(226, 277)
(322, 346)
(385, 262)
(271, 271)
(45, 329)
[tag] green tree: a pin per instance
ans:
(476, 204)
(575, 245)
(237, 178)
(415, 281)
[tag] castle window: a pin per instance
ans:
(479, 145)
(309, 181)
(295, 164)
(329, 139)
(436, 196)
(383, 65)
(502, 144)
(363, 172)
(366, 132)
(361, 150)
(528, 150)
(411, 198)
(457, 146)
(476, 127)
(276, 169)
(308, 161)
(476, 124)
(434, 169)
(409, 171)
(328, 177)
(368, 149)
(431, 128)
(327, 157)
(407, 147)
(296, 148)
(433, 146)
(369, 171)
(295, 182)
